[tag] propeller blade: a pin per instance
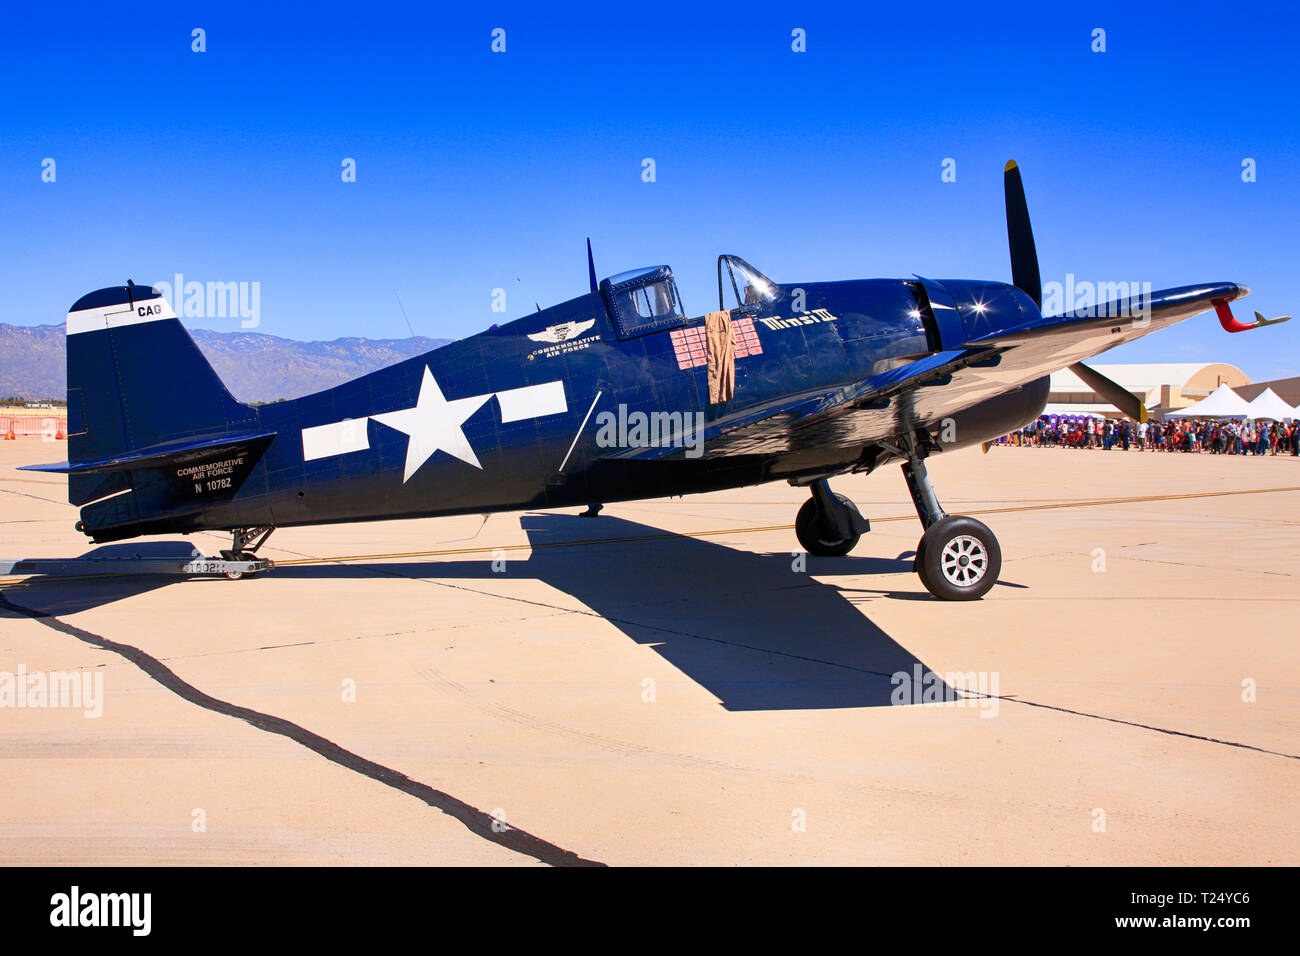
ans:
(591, 266)
(1020, 236)
(1113, 392)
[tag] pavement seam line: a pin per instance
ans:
(473, 819)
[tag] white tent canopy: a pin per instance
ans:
(1268, 405)
(1223, 402)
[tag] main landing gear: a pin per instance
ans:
(957, 558)
(829, 524)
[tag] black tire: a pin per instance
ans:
(803, 529)
(959, 559)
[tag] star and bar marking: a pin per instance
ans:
(434, 423)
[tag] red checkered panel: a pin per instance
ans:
(747, 342)
(689, 345)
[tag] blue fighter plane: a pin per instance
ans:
(602, 398)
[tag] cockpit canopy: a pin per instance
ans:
(644, 300)
(741, 286)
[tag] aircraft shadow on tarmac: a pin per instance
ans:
(747, 627)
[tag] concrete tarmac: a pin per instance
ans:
(672, 683)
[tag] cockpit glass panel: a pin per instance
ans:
(644, 300)
(741, 286)
(651, 301)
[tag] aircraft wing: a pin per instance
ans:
(924, 392)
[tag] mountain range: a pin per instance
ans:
(255, 367)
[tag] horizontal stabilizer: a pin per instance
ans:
(159, 456)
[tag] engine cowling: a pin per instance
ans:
(997, 416)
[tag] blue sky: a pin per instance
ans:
(478, 171)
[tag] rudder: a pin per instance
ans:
(136, 380)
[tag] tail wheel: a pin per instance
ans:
(958, 559)
(811, 537)
(236, 575)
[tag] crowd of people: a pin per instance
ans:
(1177, 435)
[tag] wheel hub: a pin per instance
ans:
(964, 560)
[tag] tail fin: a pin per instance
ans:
(136, 379)
(141, 398)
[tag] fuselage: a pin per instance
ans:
(841, 333)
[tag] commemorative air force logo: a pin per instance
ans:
(562, 332)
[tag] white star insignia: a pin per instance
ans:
(434, 424)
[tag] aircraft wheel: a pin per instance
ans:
(805, 530)
(920, 555)
(958, 559)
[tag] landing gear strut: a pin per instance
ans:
(244, 548)
(957, 558)
(829, 524)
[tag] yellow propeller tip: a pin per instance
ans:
(1011, 164)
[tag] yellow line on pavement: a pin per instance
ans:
(487, 549)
